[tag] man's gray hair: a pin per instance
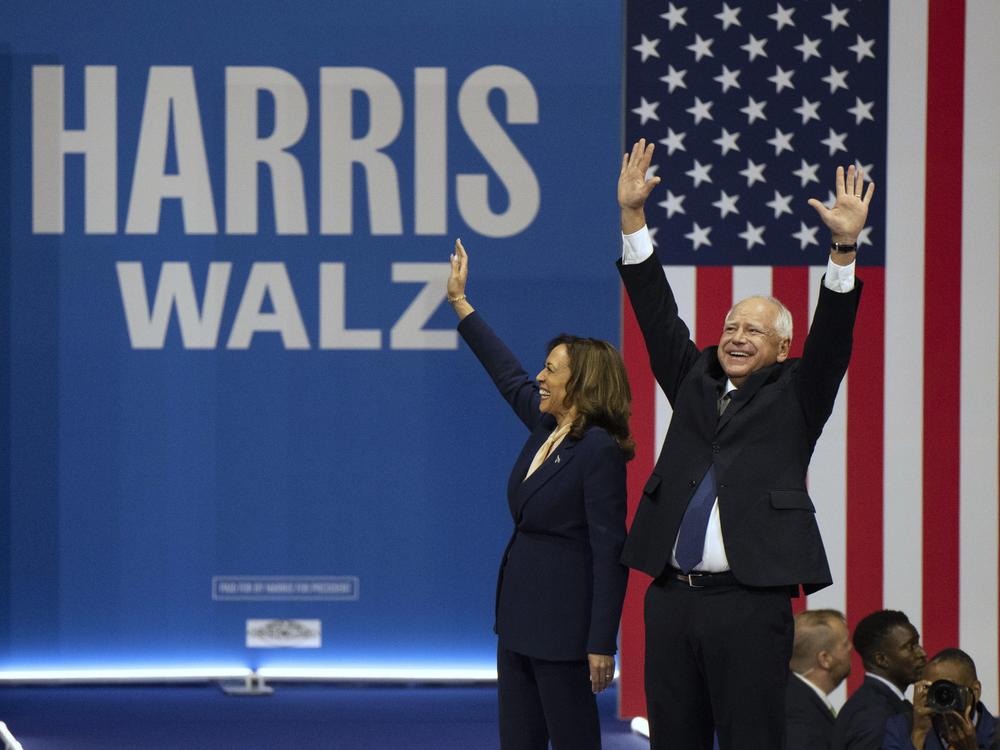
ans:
(782, 316)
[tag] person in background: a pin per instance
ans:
(890, 650)
(821, 660)
(945, 716)
(561, 585)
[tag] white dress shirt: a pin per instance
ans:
(816, 689)
(893, 688)
(636, 248)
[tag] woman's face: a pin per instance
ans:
(552, 382)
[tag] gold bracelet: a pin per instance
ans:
(453, 300)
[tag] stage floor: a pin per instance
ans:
(296, 717)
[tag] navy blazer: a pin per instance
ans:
(760, 446)
(860, 725)
(808, 720)
(561, 585)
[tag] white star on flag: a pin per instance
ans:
(781, 141)
(699, 173)
(753, 172)
(836, 78)
(701, 48)
(674, 16)
(674, 78)
(752, 235)
(729, 17)
(673, 141)
(783, 17)
(836, 17)
(647, 110)
(699, 235)
(782, 79)
(647, 48)
(808, 110)
(727, 141)
(726, 204)
(700, 110)
(806, 235)
(755, 47)
(754, 110)
(674, 204)
(835, 141)
(808, 48)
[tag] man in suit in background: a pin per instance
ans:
(821, 660)
(890, 649)
(967, 726)
(725, 526)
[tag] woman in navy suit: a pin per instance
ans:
(561, 585)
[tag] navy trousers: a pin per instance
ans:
(716, 659)
(543, 701)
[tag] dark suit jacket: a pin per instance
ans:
(860, 725)
(561, 585)
(898, 729)
(808, 719)
(761, 445)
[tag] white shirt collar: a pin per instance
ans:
(893, 688)
(816, 689)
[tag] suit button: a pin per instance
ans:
(715, 447)
(722, 486)
(692, 483)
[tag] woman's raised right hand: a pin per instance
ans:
(459, 272)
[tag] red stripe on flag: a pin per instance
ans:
(631, 695)
(865, 429)
(790, 284)
(712, 299)
(942, 322)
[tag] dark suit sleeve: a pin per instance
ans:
(897, 734)
(802, 735)
(604, 497)
(668, 340)
(514, 384)
(826, 354)
(866, 731)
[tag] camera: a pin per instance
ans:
(944, 696)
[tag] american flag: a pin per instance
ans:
(752, 105)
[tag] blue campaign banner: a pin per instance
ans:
(233, 390)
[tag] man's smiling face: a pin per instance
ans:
(749, 340)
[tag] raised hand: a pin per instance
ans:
(633, 187)
(457, 280)
(847, 217)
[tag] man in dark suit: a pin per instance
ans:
(725, 525)
(932, 728)
(890, 649)
(821, 660)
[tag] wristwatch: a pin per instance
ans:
(844, 247)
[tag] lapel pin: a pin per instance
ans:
(557, 459)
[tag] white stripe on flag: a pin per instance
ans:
(904, 289)
(751, 281)
(978, 622)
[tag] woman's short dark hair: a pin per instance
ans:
(598, 389)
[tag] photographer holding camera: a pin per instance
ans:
(947, 712)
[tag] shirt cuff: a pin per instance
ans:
(636, 247)
(839, 278)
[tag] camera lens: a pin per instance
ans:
(944, 696)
